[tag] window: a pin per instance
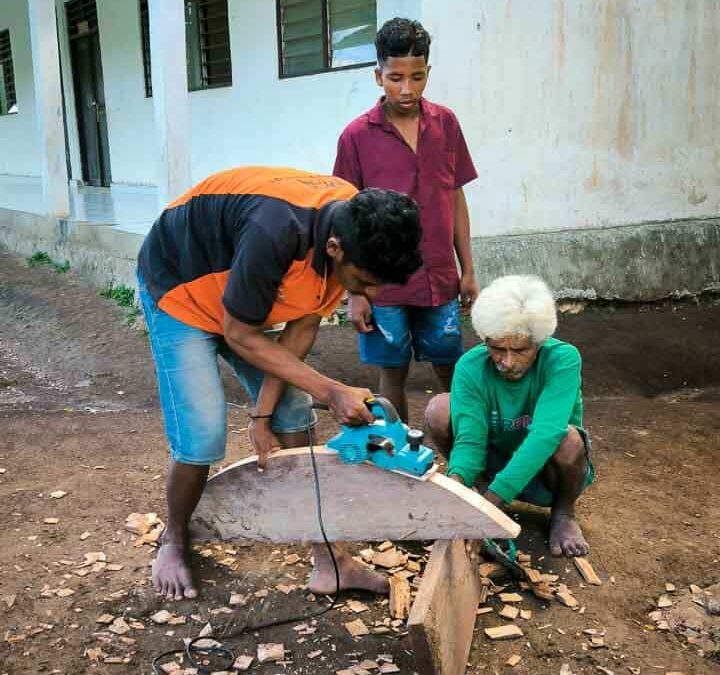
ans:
(145, 38)
(315, 36)
(208, 44)
(8, 101)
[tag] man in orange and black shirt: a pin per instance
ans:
(243, 250)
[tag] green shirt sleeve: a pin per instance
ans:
(549, 425)
(469, 415)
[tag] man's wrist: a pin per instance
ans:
(494, 499)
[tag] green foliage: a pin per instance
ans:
(123, 296)
(40, 258)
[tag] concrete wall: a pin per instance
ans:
(19, 148)
(582, 113)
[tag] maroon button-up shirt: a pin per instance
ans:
(372, 153)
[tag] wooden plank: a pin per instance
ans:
(361, 502)
(508, 632)
(442, 618)
(586, 571)
(400, 597)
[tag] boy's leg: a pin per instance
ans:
(392, 386)
(565, 474)
(437, 337)
(292, 422)
(193, 406)
(388, 346)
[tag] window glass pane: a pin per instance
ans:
(301, 25)
(8, 101)
(353, 25)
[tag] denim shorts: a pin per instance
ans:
(536, 492)
(430, 333)
(191, 391)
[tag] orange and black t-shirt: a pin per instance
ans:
(249, 241)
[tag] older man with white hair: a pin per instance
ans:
(512, 423)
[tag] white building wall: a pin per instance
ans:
(578, 113)
(265, 120)
(129, 113)
(19, 147)
(582, 113)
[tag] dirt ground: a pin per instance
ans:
(79, 413)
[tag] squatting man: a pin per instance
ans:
(512, 422)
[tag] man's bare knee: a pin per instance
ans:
(571, 451)
(437, 413)
(437, 421)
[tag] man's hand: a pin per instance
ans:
(347, 404)
(468, 292)
(262, 440)
(494, 499)
(361, 313)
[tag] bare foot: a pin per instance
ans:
(352, 574)
(566, 537)
(171, 574)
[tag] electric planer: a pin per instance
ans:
(387, 443)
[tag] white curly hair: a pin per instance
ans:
(515, 305)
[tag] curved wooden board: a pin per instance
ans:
(360, 502)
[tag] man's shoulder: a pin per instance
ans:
(559, 352)
(438, 109)
(361, 124)
(473, 359)
(440, 112)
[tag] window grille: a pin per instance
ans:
(81, 17)
(208, 44)
(8, 99)
(316, 36)
(145, 38)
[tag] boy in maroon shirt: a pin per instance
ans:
(408, 144)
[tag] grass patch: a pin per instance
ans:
(123, 296)
(41, 258)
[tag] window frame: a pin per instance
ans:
(9, 64)
(196, 42)
(327, 56)
(144, 18)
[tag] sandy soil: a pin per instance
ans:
(79, 413)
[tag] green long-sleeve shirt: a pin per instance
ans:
(525, 419)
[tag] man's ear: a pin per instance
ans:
(378, 76)
(334, 249)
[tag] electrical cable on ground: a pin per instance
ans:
(192, 652)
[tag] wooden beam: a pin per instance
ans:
(360, 502)
(442, 618)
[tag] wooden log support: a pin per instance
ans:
(360, 502)
(442, 618)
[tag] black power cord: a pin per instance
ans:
(192, 652)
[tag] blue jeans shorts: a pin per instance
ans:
(430, 333)
(191, 391)
(536, 492)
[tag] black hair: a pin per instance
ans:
(402, 37)
(379, 231)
